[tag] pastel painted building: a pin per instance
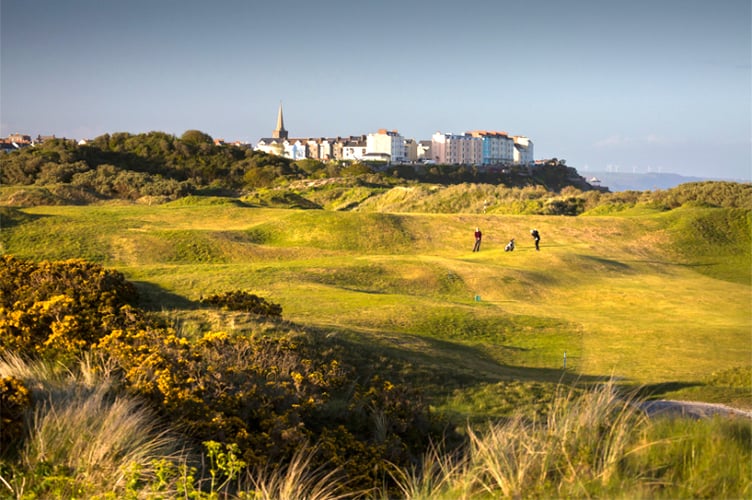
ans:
(411, 150)
(353, 143)
(478, 147)
(320, 148)
(456, 149)
(497, 147)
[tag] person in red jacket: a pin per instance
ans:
(478, 236)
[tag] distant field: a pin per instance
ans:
(655, 298)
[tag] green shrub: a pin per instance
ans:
(237, 300)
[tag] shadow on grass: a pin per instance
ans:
(614, 265)
(652, 391)
(12, 216)
(674, 264)
(439, 367)
(363, 290)
(155, 298)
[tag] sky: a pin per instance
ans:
(607, 85)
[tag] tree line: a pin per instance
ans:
(128, 166)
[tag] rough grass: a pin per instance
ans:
(656, 298)
(700, 236)
(556, 443)
(590, 444)
(81, 441)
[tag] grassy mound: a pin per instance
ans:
(660, 297)
(653, 298)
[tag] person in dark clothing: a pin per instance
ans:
(536, 238)
(510, 246)
(478, 236)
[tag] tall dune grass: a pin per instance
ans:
(297, 479)
(596, 444)
(81, 440)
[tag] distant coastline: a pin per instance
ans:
(650, 181)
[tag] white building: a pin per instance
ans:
(354, 150)
(387, 142)
(295, 149)
(271, 145)
(424, 151)
(523, 150)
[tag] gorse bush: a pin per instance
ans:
(15, 403)
(265, 394)
(228, 388)
(238, 300)
(269, 395)
(59, 309)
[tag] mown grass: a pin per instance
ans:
(650, 298)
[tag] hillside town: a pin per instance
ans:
(474, 148)
(478, 147)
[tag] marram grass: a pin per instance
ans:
(592, 444)
(584, 443)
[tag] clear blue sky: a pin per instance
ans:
(636, 85)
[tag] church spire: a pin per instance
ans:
(280, 132)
